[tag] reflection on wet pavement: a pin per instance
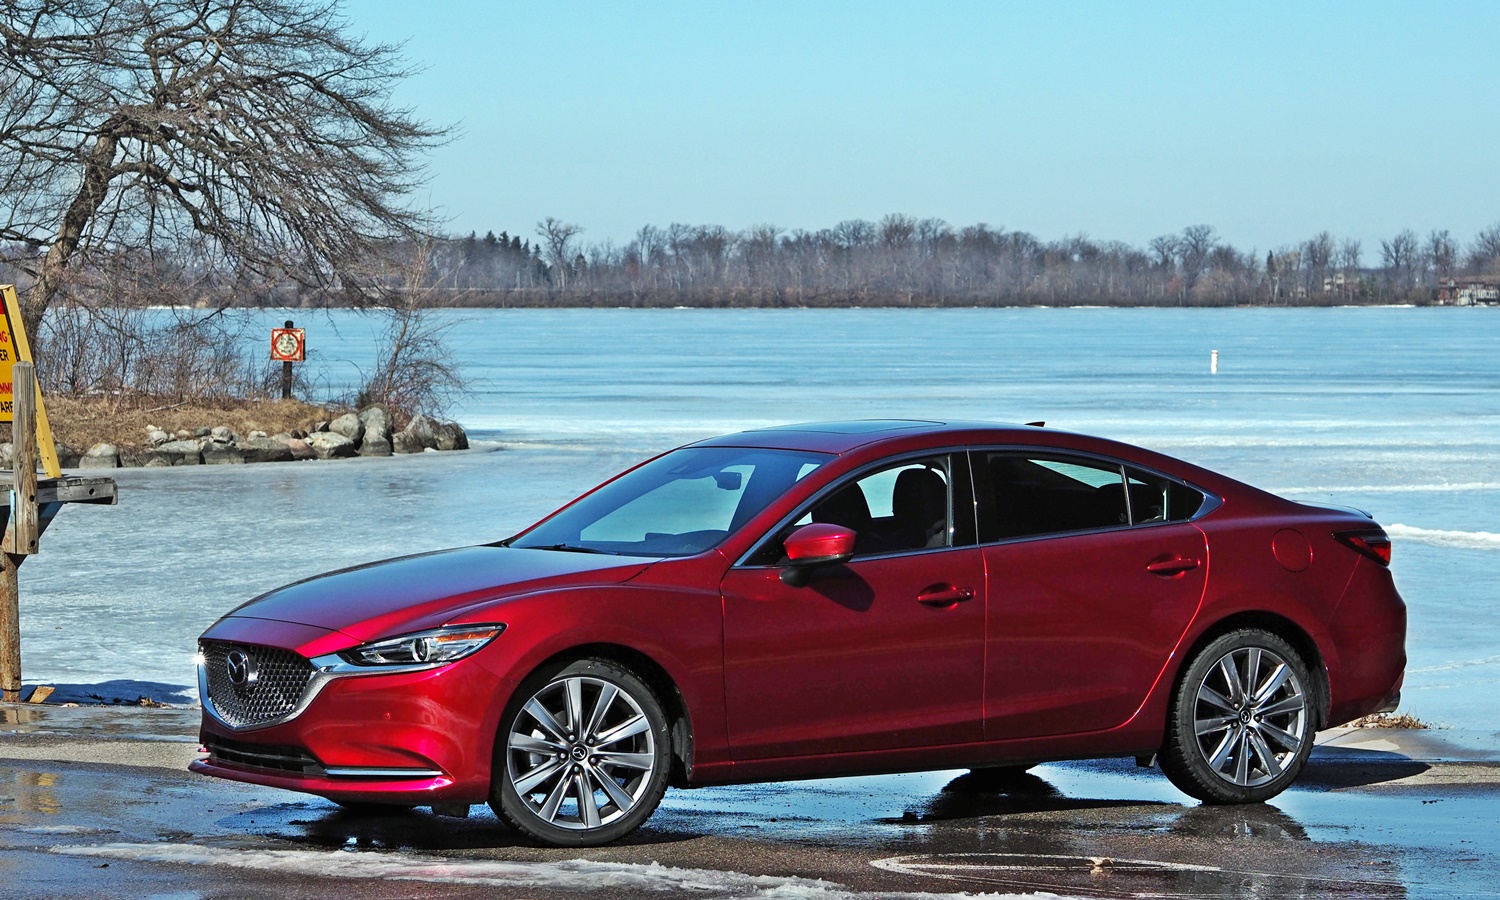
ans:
(1358, 828)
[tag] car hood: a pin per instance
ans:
(371, 600)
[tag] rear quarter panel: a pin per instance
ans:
(1248, 582)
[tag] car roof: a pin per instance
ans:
(842, 437)
(871, 436)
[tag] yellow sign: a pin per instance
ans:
(14, 348)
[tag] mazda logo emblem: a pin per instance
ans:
(242, 671)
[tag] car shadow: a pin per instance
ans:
(1333, 768)
(973, 796)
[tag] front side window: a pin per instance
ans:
(680, 504)
(897, 509)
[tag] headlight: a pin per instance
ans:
(425, 648)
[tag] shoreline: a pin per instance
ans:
(235, 433)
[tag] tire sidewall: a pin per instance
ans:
(1183, 761)
(512, 808)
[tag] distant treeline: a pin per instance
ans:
(897, 261)
(904, 261)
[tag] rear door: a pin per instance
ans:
(1090, 585)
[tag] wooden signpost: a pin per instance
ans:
(32, 503)
(288, 345)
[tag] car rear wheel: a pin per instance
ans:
(1243, 721)
(583, 755)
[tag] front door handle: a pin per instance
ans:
(1171, 568)
(944, 596)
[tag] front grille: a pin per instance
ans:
(289, 760)
(271, 682)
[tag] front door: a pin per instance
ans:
(886, 652)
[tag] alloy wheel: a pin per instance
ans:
(581, 753)
(1250, 718)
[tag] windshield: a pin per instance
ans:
(680, 504)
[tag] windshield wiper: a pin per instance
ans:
(570, 548)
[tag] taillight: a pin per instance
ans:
(1372, 542)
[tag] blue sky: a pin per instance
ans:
(1269, 121)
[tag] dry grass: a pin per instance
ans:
(1389, 720)
(84, 422)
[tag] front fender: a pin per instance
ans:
(679, 629)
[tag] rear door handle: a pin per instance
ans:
(944, 596)
(1171, 568)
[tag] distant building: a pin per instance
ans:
(1472, 290)
(1338, 281)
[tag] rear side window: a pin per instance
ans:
(1157, 499)
(1021, 495)
(1024, 494)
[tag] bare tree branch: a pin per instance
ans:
(259, 126)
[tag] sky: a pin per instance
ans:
(1121, 121)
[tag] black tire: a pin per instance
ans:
(1229, 744)
(564, 800)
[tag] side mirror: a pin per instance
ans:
(818, 544)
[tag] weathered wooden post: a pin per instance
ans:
(25, 533)
(29, 504)
(21, 531)
(286, 373)
(287, 345)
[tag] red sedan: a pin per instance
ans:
(822, 599)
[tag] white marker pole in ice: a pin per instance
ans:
(1213, 362)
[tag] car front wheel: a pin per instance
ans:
(1243, 721)
(583, 756)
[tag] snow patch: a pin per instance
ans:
(575, 874)
(1471, 540)
(1446, 487)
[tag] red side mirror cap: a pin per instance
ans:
(818, 544)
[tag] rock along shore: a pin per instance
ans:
(367, 432)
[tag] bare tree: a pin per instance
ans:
(1348, 261)
(414, 369)
(558, 235)
(1197, 244)
(1400, 255)
(1484, 254)
(1317, 255)
(1441, 253)
(260, 125)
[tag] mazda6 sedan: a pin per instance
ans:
(816, 600)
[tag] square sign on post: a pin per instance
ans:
(15, 348)
(288, 345)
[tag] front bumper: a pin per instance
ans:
(412, 738)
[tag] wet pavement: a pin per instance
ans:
(96, 803)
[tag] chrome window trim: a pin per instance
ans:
(1211, 501)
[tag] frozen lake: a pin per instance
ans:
(1391, 410)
